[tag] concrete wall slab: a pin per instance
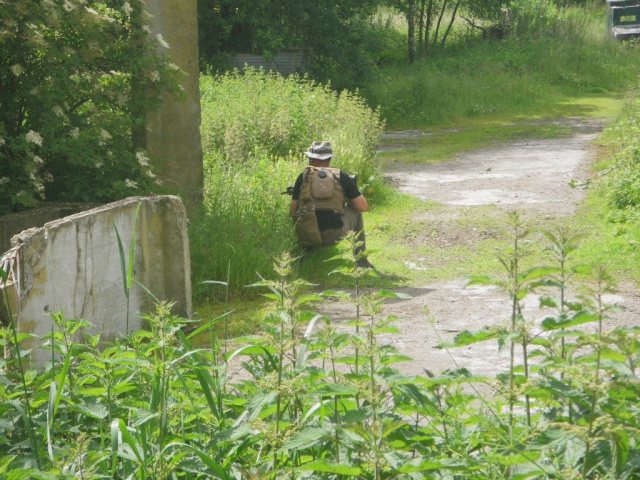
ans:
(73, 265)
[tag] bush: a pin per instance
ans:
(255, 127)
(320, 399)
(626, 190)
(623, 180)
(76, 80)
(247, 114)
(246, 214)
(536, 18)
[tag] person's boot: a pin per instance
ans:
(365, 263)
(306, 252)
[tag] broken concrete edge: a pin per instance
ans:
(9, 301)
(17, 239)
(73, 265)
(13, 223)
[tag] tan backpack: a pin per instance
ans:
(320, 190)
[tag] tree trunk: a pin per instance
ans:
(427, 28)
(453, 17)
(421, 29)
(435, 35)
(411, 23)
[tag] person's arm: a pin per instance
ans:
(293, 208)
(353, 196)
(359, 203)
(295, 197)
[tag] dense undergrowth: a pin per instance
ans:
(320, 400)
(255, 127)
(612, 207)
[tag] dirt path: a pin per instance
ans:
(531, 176)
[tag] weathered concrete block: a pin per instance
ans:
(73, 265)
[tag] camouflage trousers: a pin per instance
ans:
(351, 222)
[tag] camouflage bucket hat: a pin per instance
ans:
(320, 151)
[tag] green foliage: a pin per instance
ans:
(342, 42)
(245, 223)
(320, 399)
(268, 26)
(76, 79)
(347, 52)
(524, 74)
(623, 176)
(255, 127)
(246, 115)
(612, 207)
(555, 18)
(484, 9)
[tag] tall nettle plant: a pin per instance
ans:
(296, 402)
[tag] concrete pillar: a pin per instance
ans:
(174, 130)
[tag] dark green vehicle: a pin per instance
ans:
(623, 19)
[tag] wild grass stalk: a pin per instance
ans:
(27, 416)
(518, 284)
(287, 315)
(603, 284)
(352, 252)
(213, 341)
(511, 263)
(127, 272)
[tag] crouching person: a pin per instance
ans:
(326, 203)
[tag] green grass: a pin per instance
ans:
(237, 318)
(444, 142)
(515, 78)
(612, 207)
(614, 234)
(406, 245)
(428, 242)
(416, 250)
(613, 241)
(255, 128)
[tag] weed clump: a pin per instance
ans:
(307, 397)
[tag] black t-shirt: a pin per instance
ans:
(328, 220)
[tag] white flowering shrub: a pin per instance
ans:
(76, 80)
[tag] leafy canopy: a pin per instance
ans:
(76, 80)
(338, 37)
